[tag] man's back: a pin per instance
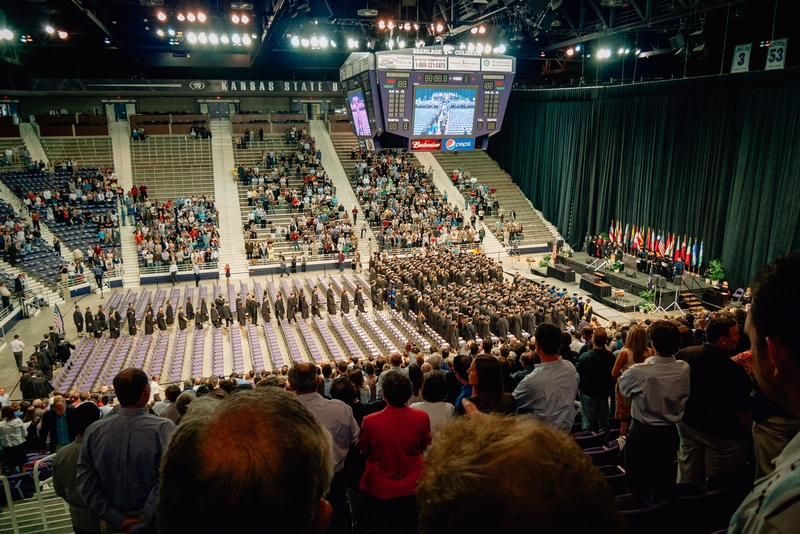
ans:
(337, 418)
(549, 391)
(595, 367)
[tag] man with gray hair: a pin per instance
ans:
(253, 455)
(396, 361)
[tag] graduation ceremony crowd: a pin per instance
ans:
(455, 439)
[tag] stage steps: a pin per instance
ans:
(536, 229)
(689, 300)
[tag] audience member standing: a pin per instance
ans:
(596, 384)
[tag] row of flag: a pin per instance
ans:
(689, 250)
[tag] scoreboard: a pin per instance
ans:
(435, 98)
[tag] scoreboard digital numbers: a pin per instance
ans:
(437, 98)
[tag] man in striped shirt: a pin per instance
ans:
(658, 389)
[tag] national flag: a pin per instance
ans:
(683, 249)
(700, 256)
(649, 240)
(640, 237)
(660, 244)
(626, 237)
(611, 231)
(619, 232)
(689, 257)
(670, 244)
(677, 255)
(634, 241)
(58, 320)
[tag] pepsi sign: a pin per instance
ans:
(459, 144)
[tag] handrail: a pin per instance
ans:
(182, 268)
(10, 501)
(38, 486)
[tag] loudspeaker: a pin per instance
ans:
(697, 41)
(589, 260)
(630, 275)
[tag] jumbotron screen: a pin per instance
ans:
(444, 110)
(359, 113)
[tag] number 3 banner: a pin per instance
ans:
(741, 58)
(776, 57)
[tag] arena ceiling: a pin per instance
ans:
(555, 41)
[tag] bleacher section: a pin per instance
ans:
(86, 151)
(488, 172)
(173, 166)
(344, 143)
(252, 155)
(9, 142)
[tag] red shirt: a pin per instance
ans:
(393, 442)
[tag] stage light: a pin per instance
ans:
(401, 44)
(627, 50)
(181, 17)
(462, 46)
(213, 39)
(390, 25)
(236, 38)
(203, 38)
(49, 29)
(479, 48)
(246, 40)
(407, 26)
(381, 24)
(416, 26)
(471, 47)
(487, 47)
(323, 41)
(474, 30)
(604, 53)
(621, 51)
(439, 28)
(390, 44)
(482, 30)
(160, 33)
(295, 41)
(500, 49)
(577, 48)
(192, 38)
(314, 41)
(637, 51)
(245, 19)
(352, 43)
(6, 34)
(190, 17)
(171, 32)
(235, 19)
(570, 51)
(333, 43)
(62, 34)
(201, 17)
(305, 42)
(161, 16)
(224, 39)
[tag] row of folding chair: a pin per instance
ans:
(308, 341)
(237, 355)
(156, 363)
(198, 349)
(359, 336)
(274, 349)
(327, 339)
(255, 348)
(217, 356)
(391, 329)
(291, 342)
(410, 332)
(384, 343)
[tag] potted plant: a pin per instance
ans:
(614, 267)
(566, 251)
(646, 305)
(545, 261)
(715, 271)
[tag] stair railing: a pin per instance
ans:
(38, 486)
(10, 501)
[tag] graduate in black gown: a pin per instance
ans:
(182, 322)
(89, 321)
(77, 318)
(113, 328)
(265, 311)
(280, 309)
(161, 320)
(189, 309)
(170, 315)
(130, 315)
(215, 317)
(149, 323)
(98, 328)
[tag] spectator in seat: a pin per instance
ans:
(254, 460)
(594, 367)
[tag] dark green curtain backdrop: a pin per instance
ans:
(715, 158)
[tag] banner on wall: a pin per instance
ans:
(741, 58)
(776, 57)
(208, 87)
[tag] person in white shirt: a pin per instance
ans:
(156, 389)
(16, 348)
(4, 400)
(434, 392)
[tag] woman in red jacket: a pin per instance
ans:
(393, 441)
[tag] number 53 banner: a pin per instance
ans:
(741, 58)
(776, 56)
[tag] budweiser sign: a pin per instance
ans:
(426, 144)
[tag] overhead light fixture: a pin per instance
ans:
(482, 30)
(161, 16)
(203, 38)
(333, 43)
(246, 40)
(352, 43)
(49, 29)
(160, 33)
(236, 38)
(500, 49)
(295, 41)
(479, 48)
(471, 47)
(224, 39)
(407, 26)
(171, 32)
(621, 51)
(315, 41)
(570, 51)
(235, 19)
(305, 42)
(381, 24)
(416, 26)
(192, 38)
(190, 17)
(463, 46)
(245, 19)
(439, 28)
(323, 41)
(390, 44)
(390, 25)
(181, 17)
(577, 48)
(6, 34)
(212, 38)
(401, 44)
(62, 34)
(201, 17)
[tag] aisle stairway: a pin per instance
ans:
(29, 517)
(121, 148)
(536, 229)
(226, 196)
(31, 139)
(343, 143)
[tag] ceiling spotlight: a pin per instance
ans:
(295, 41)
(381, 24)
(190, 17)
(471, 47)
(577, 48)
(390, 44)
(407, 26)
(463, 46)
(323, 41)
(333, 43)
(171, 32)
(401, 44)
(487, 47)
(161, 16)
(627, 50)
(390, 25)
(224, 38)
(621, 51)
(500, 49)
(181, 17)
(160, 33)
(474, 30)
(482, 30)
(191, 37)
(49, 29)
(570, 51)
(314, 41)
(201, 17)
(305, 42)
(246, 40)
(235, 19)
(6, 34)
(416, 26)
(61, 34)
(203, 38)
(245, 19)
(236, 38)
(351, 43)
(637, 51)
(479, 48)
(212, 38)
(439, 28)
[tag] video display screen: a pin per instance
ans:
(444, 110)
(359, 113)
